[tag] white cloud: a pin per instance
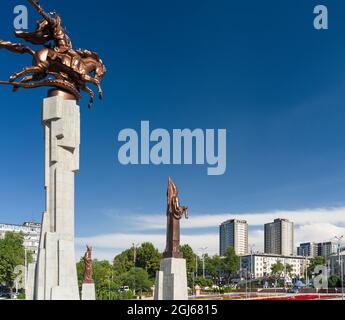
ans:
(334, 215)
(318, 232)
(321, 224)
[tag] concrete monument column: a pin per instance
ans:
(56, 273)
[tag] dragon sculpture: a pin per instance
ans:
(57, 64)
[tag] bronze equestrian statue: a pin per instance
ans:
(88, 265)
(56, 64)
(175, 213)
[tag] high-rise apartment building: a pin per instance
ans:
(279, 237)
(233, 233)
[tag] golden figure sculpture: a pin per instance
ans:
(175, 213)
(56, 64)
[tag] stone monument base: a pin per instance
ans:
(30, 281)
(171, 280)
(88, 291)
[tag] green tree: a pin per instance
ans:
(288, 269)
(214, 266)
(12, 254)
(231, 263)
(277, 269)
(317, 261)
(106, 281)
(148, 258)
(190, 257)
(137, 279)
(334, 281)
(124, 261)
(200, 281)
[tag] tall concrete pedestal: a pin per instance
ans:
(56, 273)
(171, 280)
(30, 281)
(88, 291)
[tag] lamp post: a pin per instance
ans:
(203, 260)
(25, 269)
(306, 267)
(135, 246)
(196, 265)
(246, 278)
(340, 262)
(252, 270)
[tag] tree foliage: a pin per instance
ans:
(190, 257)
(288, 269)
(215, 266)
(201, 282)
(317, 261)
(12, 254)
(231, 262)
(137, 279)
(146, 257)
(277, 269)
(334, 281)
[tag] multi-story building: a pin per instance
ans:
(279, 237)
(336, 263)
(309, 249)
(233, 233)
(31, 232)
(258, 265)
(313, 249)
(325, 249)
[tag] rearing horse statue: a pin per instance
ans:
(56, 64)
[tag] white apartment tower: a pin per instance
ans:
(279, 237)
(233, 233)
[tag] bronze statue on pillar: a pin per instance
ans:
(175, 213)
(56, 64)
(88, 265)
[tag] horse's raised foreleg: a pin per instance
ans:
(16, 47)
(26, 70)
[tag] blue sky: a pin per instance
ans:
(257, 68)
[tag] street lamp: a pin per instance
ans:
(252, 270)
(306, 266)
(339, 239)
(196, 265)
(203, 260)
(135, 246)
(25, 269)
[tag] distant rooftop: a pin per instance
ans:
(233, 220)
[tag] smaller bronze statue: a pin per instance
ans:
(175, 213)
(88, 265)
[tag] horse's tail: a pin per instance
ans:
(16, 47)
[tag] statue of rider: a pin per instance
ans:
(58, 34)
